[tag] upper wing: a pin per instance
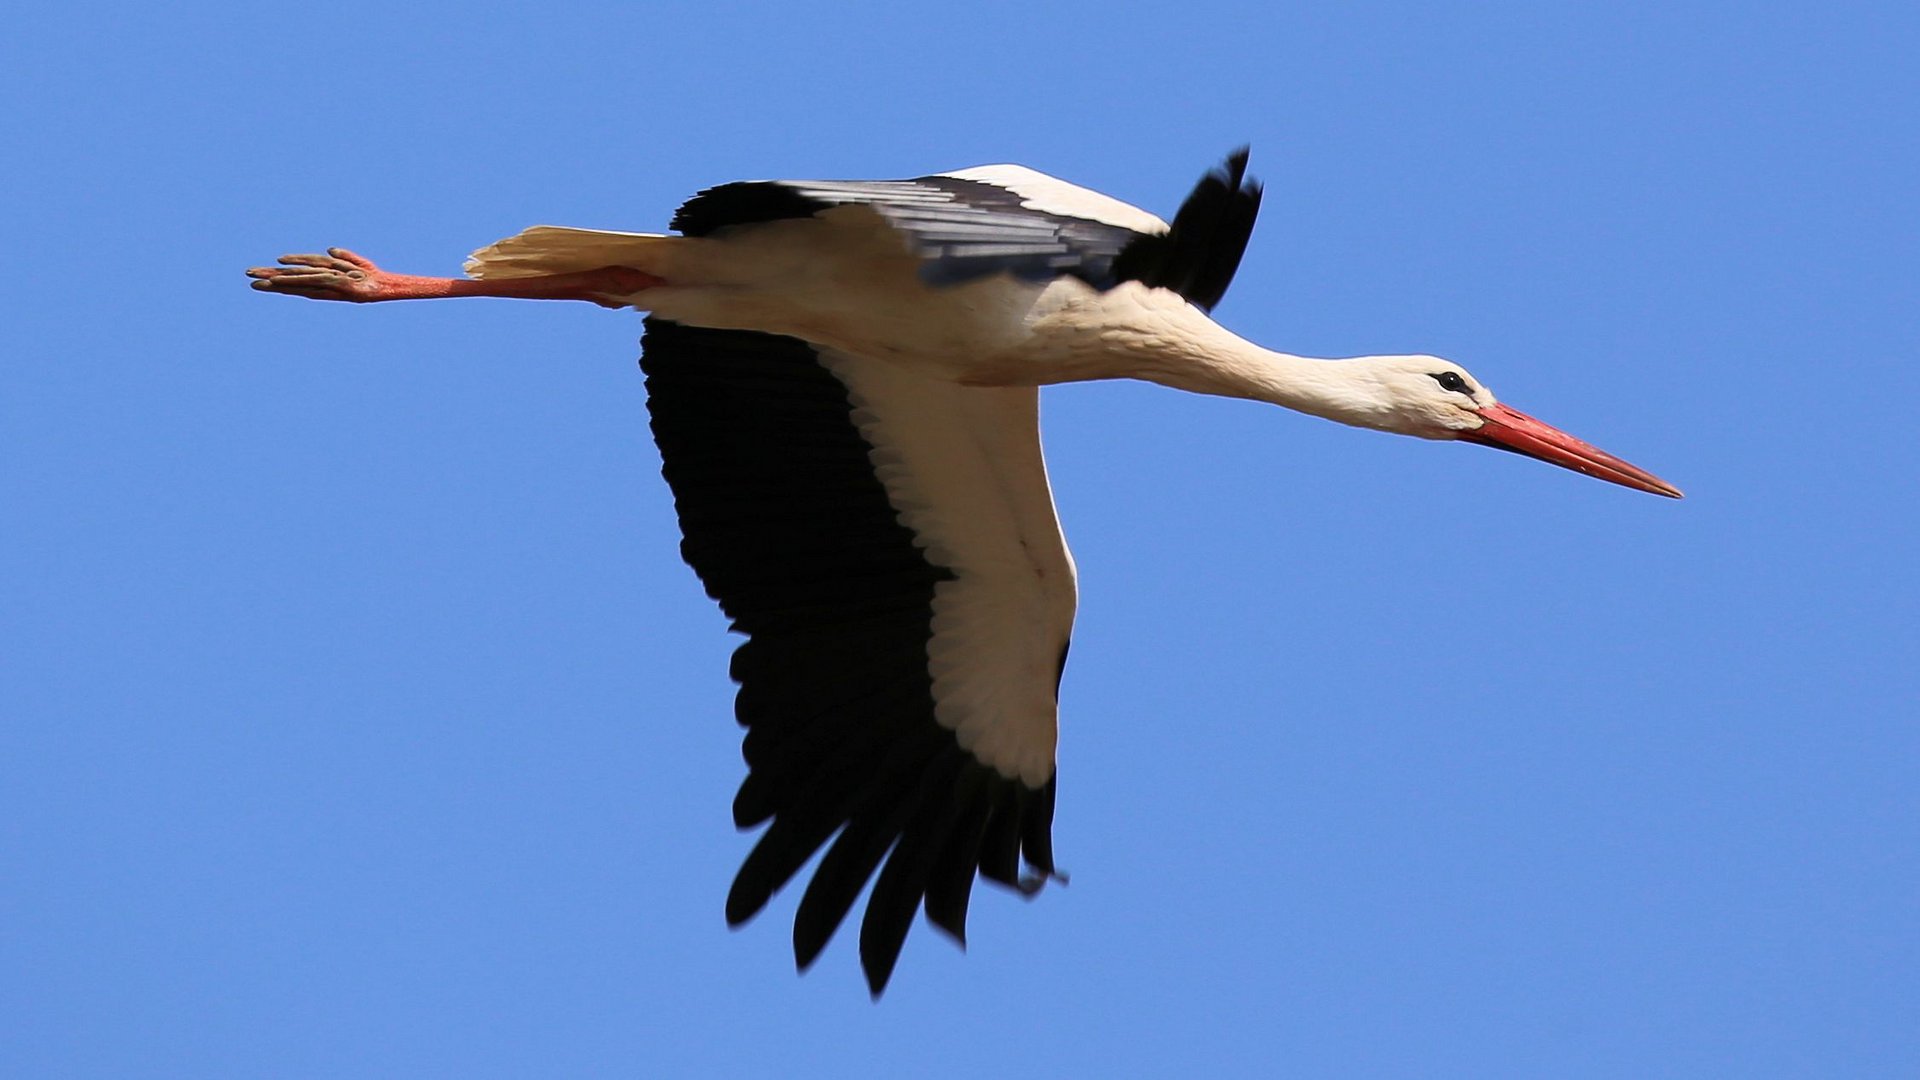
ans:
(1009, 219)
(889, 546)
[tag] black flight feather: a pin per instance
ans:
(1198, 255)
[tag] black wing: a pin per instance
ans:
(793, 533)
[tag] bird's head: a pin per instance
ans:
(1436, 399)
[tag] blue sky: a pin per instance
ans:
(361, 720)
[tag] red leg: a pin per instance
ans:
(342, 275)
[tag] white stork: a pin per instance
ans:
(843, 381)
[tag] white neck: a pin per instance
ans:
(1198, 355)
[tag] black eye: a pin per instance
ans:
(1451, 381)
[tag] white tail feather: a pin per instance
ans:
(554, 249)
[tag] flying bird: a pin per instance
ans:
(843, 379)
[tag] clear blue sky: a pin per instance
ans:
(359, 718)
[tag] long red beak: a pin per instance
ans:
(1511, 429)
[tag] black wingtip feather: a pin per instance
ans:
(1000, 843)
(950, 886)
(1199, 253)
(836, 885)
(1036, 833)
(1237, 164)
(902, 883)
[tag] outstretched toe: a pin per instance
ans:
(345, 256)
(337, 275)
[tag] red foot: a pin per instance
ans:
(342, 275)
(337, 275)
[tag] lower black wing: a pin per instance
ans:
(772, 458)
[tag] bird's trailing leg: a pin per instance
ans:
(342, 275)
